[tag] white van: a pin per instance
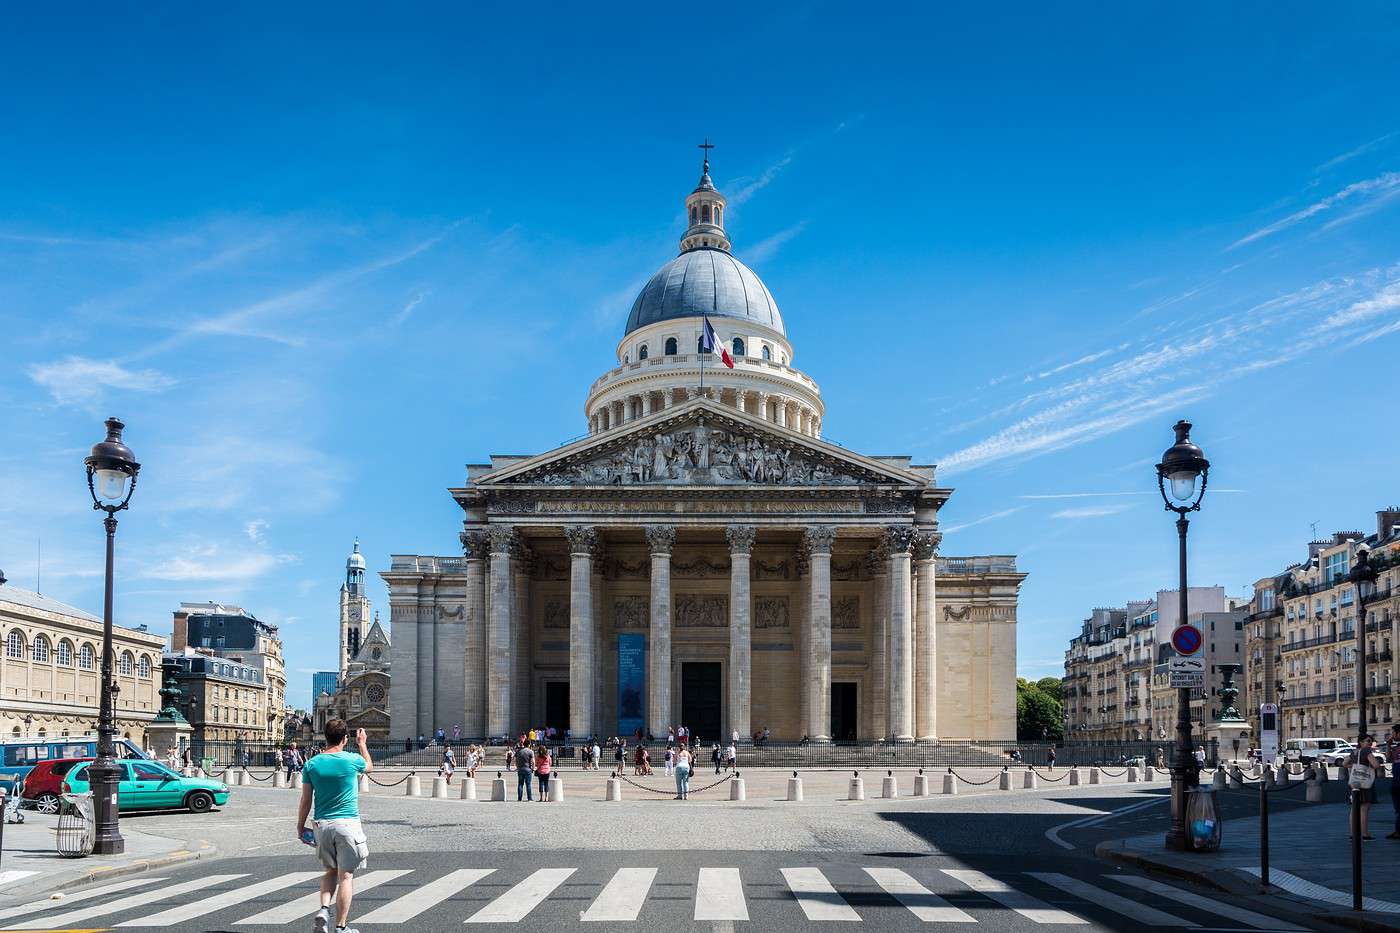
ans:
(1307, 750)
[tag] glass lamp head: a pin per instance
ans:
(1182, 465)
(112, 468)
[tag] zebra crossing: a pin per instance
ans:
(709, 894)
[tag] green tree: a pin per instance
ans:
(1052, 686)
(1039, 713)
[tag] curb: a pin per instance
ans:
(179, 856)
(1114, 851)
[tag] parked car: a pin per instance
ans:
(1338, 755)
(44, 782)
(1306, 750)
(150, 785)
(20, 754)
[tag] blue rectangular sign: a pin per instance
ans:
(631, 683)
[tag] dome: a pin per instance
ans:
(356, 560)
(705, 282)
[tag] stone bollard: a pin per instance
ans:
(855, 788)
(279, 779)
(1148, 774)
(199, 773)
(1254, 768)
(614, 789)
(1005, 782)
(1094, 776)
(556, 789)
(1236, 778)
(498, 787)
(1320, 770)
(1132, 774)
(889, 786)
(1030, 781)
(950, 783)
(1295, 767)
(921, 784)
(1218, 781)
(1073, 777)
(737, 791)
(469, 788)
(439, 787)
(794, 788)
(296, 780)
(234, 778)
(413, 787)
(1268, 777)
(1281, 775)
(245, 778)
(364, 783)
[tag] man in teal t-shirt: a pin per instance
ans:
(331, 782)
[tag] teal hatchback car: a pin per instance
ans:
(150, 785)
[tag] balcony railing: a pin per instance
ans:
(1308, 643)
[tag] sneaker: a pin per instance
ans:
(346, 930)
(321, 921)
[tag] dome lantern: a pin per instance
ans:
(704, 208)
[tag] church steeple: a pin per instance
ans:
(705, 209)
(355, 571)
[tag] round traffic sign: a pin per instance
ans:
(1186, 639)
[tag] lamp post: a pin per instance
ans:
(1183, 464)
(111, 477)
(1363, 577)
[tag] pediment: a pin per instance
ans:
(701, 443)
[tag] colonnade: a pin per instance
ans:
(782, 410)
(902, 680)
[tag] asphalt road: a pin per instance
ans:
(1005, 863)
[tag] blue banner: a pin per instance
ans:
(631, 684)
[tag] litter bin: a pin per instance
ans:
(1203, 819)
(77, 830)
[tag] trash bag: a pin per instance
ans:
(1203, 819)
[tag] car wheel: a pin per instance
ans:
(46, 803)
(199, 802)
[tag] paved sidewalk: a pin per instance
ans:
(1309, 859)
(30, 863)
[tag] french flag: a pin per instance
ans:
(709, 342)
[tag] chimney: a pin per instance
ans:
(1386, 521)
(179, 636)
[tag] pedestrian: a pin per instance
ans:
(731, 756)
(714, 756)
(1393, 755)
(332, 784)
(670, 760)
(597, 755)
(1161, 759)
(646, 761)
(671, 735)
(683, 774)
(524, 772)
(1050, 757)
(1363, 764)
(472, 760)
(543, 766)
(449, 764)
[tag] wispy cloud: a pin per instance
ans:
(76, 380)
(1091, 511)
(1358, 151)
(765, 178)
(255, 530)
(213, 564)
(983, 520)
(407, 309)
(1082, 361)
(1369, 187)
(768, 247)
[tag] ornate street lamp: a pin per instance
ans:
(1183, 465)
(111, 477)
(1363, 577)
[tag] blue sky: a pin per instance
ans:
(319, 259)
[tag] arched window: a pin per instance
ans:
(719, 214)
(87, 658)
(738, 346)
(692, 215)
(705, 213)
(43, 733)
(65, 653)
(125, 664)
(767, 353)
(700, 344)
(16, 732)
(41, 649)
(642, 352)
(143, 667)
(14, 645)
(626, 358)
(671, 346)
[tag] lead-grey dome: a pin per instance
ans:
(705, 282)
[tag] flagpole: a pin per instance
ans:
(704, 324)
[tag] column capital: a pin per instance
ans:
(502, 539)
(583, 540)
(741, 538)
(661, 538)
(475, 544)
(818, 538)
(877, 559)
(925, 545)
(898, 539)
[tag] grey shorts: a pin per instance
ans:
(342, 845)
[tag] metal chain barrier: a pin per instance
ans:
(1108, 773)
(989, 780)
(1063, 777)
(395, 783)
(701, 790)
(654, 790)
(269, 777)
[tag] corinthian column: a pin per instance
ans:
(522, 687)
(878, 563)
(925, 554)
(741, 539)
(583, 668)
(476, 545)
(899, 539)
(818, 539)
(498, 636)
(661, 538)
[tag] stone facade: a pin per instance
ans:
(703, 557)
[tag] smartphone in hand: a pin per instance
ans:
(308, 837)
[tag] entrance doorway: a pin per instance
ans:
(700, 699)
(556, 705)
(843, 711)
